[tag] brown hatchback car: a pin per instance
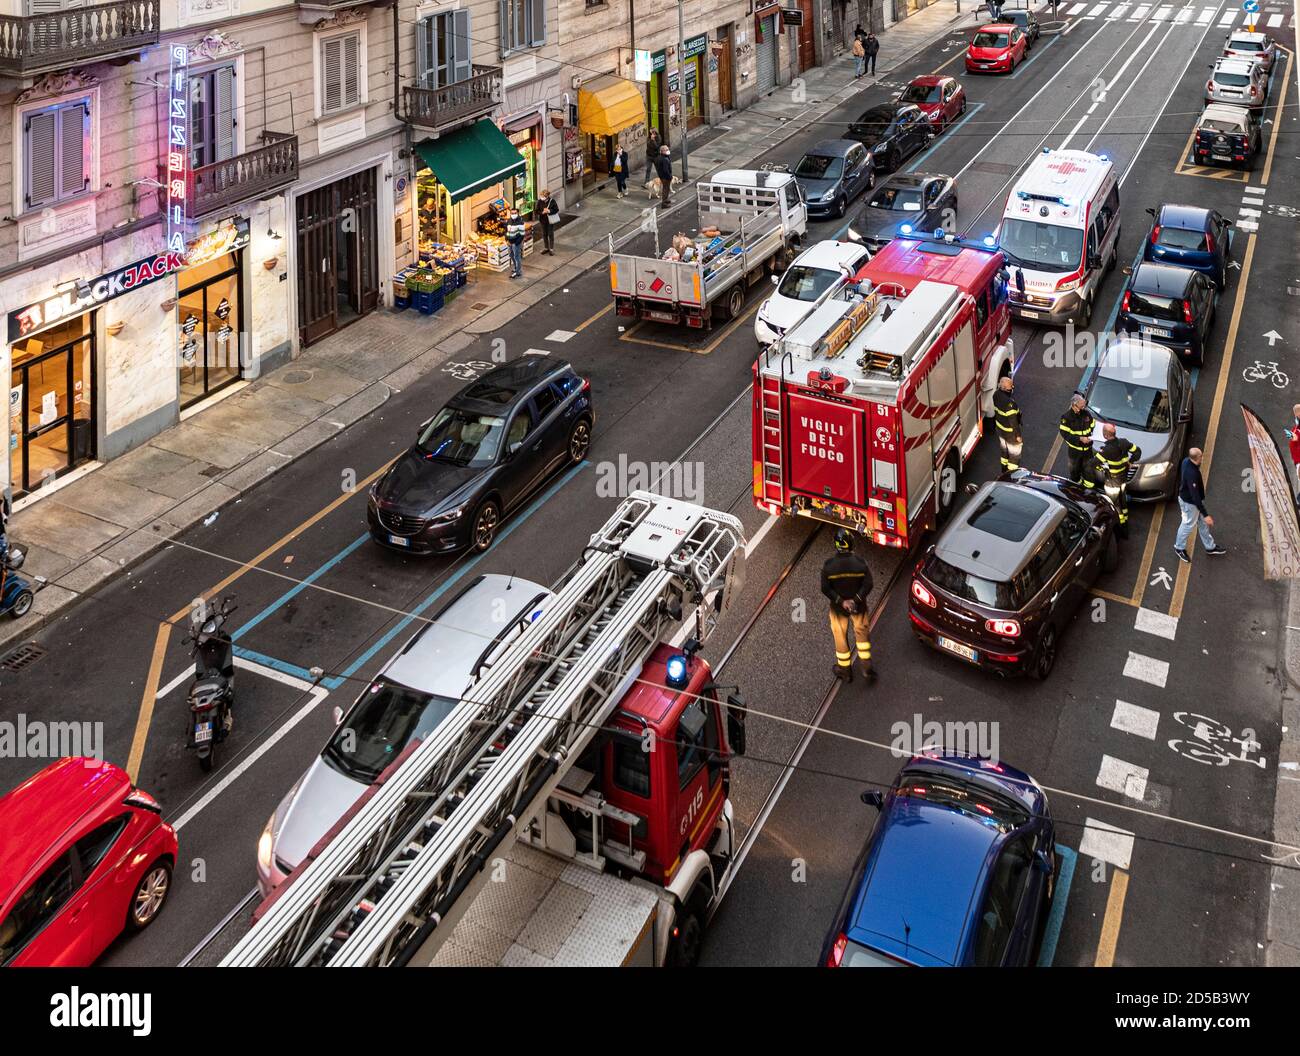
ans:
(1004, 577)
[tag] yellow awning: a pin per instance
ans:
(608, 105)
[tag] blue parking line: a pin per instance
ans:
(289, 595)
(274, 664)
(1053, 930)
(971, 111)
(1025, 65)
(364, 658)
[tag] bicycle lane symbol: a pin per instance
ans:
(1260, 371)
(1211, 742)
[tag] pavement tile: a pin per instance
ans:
(56, 526)
(211, 445)
(311, 435)
(113, 501)
(256, 470)
(360, 405)
(88, 575)
(157, 469)
(319, 382)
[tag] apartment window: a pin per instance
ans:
(340, 66)
(212, 116)
(56, 153)
(442, 49)
(523, 24)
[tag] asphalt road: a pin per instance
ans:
(1187, 896)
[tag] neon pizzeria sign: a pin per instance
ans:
(178, 152)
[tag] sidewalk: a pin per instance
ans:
(110, 519)
(1283, 941)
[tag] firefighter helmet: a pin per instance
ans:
(843, 540)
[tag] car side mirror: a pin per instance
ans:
(776, 280)
(873, 797)
(1043, 863)
(513, 449)
(338, 715)
(970, 489)
(1151, 213)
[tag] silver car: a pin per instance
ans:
(1142, 389)
(1241, 82)
(1258, 46)
(408, 698)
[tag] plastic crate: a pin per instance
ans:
(437, 300)
(424, 303)
(401, 301)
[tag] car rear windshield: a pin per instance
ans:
(1029, 244)
(1155, 306)
(1245, 45)
(968, 587)
(905, 199)
(1181, 238)
(970, 799)
(858, 956)
(386, 719)
(819, 167)
(806, 284)
(921, 93)
(1136, 406)
(462, 438)
(990, 40)
(1232, 80)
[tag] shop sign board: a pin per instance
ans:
(691, 77)
(791, 16)
(178, 146)
(695, 46)
(642, 65)
(658, 61)
(672, 82)
(58, 306)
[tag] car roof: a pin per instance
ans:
(38, 815)
(883, 112)
(996, 27)
(1225, 112)
(901, 179)
(1184, 217)
(929, 79)
(1132, 360)
(1166, 280)
(444, 657)
(1234, 64)
(828, 254)
(921, 877)
(973, 541)
(833, 148)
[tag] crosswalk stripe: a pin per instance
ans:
(1228, 17)
(1184, 15)
(1116, 13)
(1074, 10)
(1135, 719)
(1106, 842)
(1128, 779)
(1161, 13)
(1203, 19)
(1140, 13)
(1247, 225)
(1252, 189)
(1161, 624)
(1274, 20)
(1147, 669)
(1095, 11)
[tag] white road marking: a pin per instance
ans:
(1247, 225)
(1116, 13)
(1243, 211)
(1076, 8)
(1161, 13)
(1146, 669)
(1095, 11)
(1128, 779)
(1140, 13)
(1253, 190)
(1204, 17)
(1228, 17)
(1184, 15)
(1274, 20)
(1106, 842)
(1158, 623)
(561, 335)
(537, 352)
(1134, 719)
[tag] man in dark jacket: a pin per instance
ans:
(1076, 431)
(515, 230)
(872, 48)
(1110, 467)
(652, 145)
(846, 582)
(1007, 415)
(1191, 506)
(664, 170)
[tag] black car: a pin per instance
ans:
(1229, 134)
(481, 456)
(1026, 20)
(921, 201)
(832, 174)
(1171, 306)
(893, 132)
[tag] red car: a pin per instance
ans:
(941, 99)
(84, 855)
(996, 48)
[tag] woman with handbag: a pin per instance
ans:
(548, 211)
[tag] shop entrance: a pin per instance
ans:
(338, 255)
(51, 403)
(210, 312)
(725, 97)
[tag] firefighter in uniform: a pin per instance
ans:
(1110, 468)
(1007, 411)
(846, 582)
(1076, 431)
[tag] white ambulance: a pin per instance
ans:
(1060, 234)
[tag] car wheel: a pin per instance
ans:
(894, 160)
(841, 205)
(1045, 657)
(687, 938)
(1085, 314)
(1110, 556)
(486, 521)
(963, 105)
(579, 441)
(150, 894)
(22, 604)
(735, 301)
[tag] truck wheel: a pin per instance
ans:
(688, 935)
(735, 302)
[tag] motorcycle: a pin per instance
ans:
(16, 594)
(212, 693)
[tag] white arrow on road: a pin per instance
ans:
(1273, 338)
(1234, 264)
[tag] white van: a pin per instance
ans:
(1060, 234)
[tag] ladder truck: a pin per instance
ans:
(588, 777)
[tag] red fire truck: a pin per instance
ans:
(865, 413)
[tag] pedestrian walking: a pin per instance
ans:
(1191, 507)
(664, 170)
(1111, 469)
(515, 230)
(1007, 415)
(1076, 431)
(548, 212)
(619, 165)
(1293, 439)
(846, 582)
(859, 57)
(652, 145)
(872, 48)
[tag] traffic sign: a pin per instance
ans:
(1250, 5)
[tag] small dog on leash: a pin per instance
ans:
(655, 188)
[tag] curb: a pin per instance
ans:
(1282, 934)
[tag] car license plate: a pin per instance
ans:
(1221, 157)
(956, 647)
(1157, 331)
(398, 540)
(1028, 314)
(203, 733)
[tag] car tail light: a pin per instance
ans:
(586, 385)
(837, 951)
(1006, 628)
(1209, 243)
(1187, 312)
(1209, 86)
(1155, 234)
(921, 594)
(139, 798)
(1124, 307)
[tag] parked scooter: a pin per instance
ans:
(212, 693)
(16, 594)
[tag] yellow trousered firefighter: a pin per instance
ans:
(846, 582)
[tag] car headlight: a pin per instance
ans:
(1155, 469)
(827, 196)
(450, 517)
(266, 845)
(1066, 287)
(853, 235)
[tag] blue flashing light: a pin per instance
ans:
(906, 229)
(1047, 150)
(938, 232)
(990, 241)
(1104, 157)
(676, 668)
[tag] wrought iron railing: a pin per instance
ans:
(249, 175)
(438, 108)
(32, 44)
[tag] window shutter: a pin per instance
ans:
(503, 8)
(462, 64)
(351, 69)
(224, 112)
(331, 53)
(537, 18)
(425, 64)
(40, 152)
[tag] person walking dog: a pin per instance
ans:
(548, 212)
(1191, 506)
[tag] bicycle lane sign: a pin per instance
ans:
(1213, 743)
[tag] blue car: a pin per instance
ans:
(959, 870)
(1190, 237)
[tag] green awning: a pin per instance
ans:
(470, 159)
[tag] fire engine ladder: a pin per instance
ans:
(394, 880)
(768, 488)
